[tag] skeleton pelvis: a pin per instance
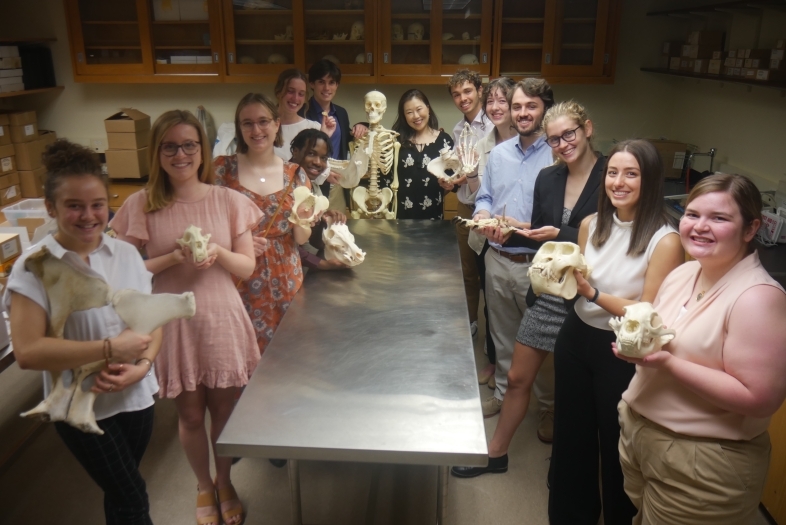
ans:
(370, 205)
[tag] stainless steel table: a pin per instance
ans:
(373, 364)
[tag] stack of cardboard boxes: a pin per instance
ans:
(127, 133)
(21, 145)
(10, 70)
(10, 250)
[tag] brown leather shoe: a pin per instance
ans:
(546, 426)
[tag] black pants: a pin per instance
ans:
(589, 382)
(491, 350)
(112, 460)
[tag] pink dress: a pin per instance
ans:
(217, 347)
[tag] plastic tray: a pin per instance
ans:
(26, 209)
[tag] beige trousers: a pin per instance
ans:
(675, 479)
(469, 263)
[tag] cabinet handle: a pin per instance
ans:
(231, 58)
(80, 57)
(369, 57)
(485, 58)
(385, 58)
(215, 57)
(548, 58)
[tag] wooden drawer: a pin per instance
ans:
(118, 193)
(774, 496)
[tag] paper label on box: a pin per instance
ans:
(29, 129)
(10, 249)
(762, 74)
(777, 53)
(6, 164)
(679, 160)
(10, 192)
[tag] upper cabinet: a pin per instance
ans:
(373, 41)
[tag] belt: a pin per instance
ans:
(515, 257)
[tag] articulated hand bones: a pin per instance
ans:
(485, 223)
(196, 242)
(69, 290)
(307, 207)
(552, 269)
(462, 160)
(640, 332)
(340, 245)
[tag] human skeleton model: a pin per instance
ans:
(462, 160)
(640, 332)
(69, 290)
(376, 153)
(552, 269)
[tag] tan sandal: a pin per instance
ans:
(226, 495)
(207, 499)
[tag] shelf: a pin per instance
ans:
(329, 12)
(109, 22)
(409, 16)
(267, 42)
(31, 92)
(461, 16)
(183, 47)
(23, 41)
(260, 12)
(717, 78)
(329, 42)
(579, 20)
(179, 22)
(461, 42)
(522, 45)
(745, 5)
(100, 46)
(577, 46)
(523, 20)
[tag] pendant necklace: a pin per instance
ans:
(701, 293)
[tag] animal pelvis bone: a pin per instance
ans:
(69, 290)
(307, 206)
(552, 269)
(352, 170)
(462, 160)
(196, 242)
(640, 332)
(340, 245)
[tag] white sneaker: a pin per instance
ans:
(473, 328)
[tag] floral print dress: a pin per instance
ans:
(278, 273)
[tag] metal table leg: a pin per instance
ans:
(442, 494)
(294, 490)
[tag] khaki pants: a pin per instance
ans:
(681, 480)
(469, 264)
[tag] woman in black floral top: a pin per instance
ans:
(419, 193)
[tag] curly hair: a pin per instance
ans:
(465, 75)
(65, 159)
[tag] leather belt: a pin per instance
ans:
(515, 257)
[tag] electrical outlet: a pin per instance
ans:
(98, 145)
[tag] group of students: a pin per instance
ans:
(680, 438)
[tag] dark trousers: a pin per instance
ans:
(589, 382)
(112, 460)
(491, 350)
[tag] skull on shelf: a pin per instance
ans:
(415, 31)
(640, 331)
(465, 36)
(397, 32)
(276, 58)
(360, 59)
(447, 36)
(468, 59)
(332, 58)
(357, 32)
(375, 104)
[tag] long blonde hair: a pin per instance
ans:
(571, 109)
(159, 189)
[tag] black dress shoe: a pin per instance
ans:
(278, 463)
(496, 466)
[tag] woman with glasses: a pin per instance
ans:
(204, 361)
(565, 194)
(256, 172)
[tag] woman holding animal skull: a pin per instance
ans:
(565, 194)
(76, 196)
(694, 445)
(207, 359)
(631, 247)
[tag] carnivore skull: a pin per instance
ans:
(357, 32)
(397, 32)
(468, 59)
(415, 31)
(376, 104)
(552, 269)
(340, 245)
(640, 331)
(196, 242)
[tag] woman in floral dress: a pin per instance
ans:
(419, 193)
(256, 172)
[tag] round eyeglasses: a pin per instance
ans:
(568, 136)
(169, 149)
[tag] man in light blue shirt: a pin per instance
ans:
(507, 189)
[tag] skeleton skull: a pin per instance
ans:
(397, 32)
(415, 31)
(196, 242)
(340, 245)
(376, 104)
(552, 269)
(468, 59)
(357, 31)
(307, 207)
(276, 58)
(640, 331)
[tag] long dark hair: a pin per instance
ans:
(405, 131)
(650, 214)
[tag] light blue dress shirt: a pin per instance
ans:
(509, 182)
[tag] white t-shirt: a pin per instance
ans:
(289, 132)
(120, 265)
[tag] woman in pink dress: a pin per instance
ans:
(256, 172)
(204, 361)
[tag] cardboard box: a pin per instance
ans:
(777, 54)
(127, 163)
(166, 9)
(673, 154)
(5, 134)
(26, 133)
(701, 51)
(686, 64)
(713, 39)
(193, 9)
(10, 63)
(780, 44)
(732, 53)
(714, 67)
(32, 183)
(7, 164)
(6, 73)
(127, 120)
(7, 152)
(701, 65)
(739, 62)
(28, 154)
(11, 179)
(750, 73)
(10, 246)
(685, 51)
(5, 269)
(9, 51)
(20, 118)
(774, 64)
(10, 195)
(674, 63)
(128, 140)
(729, 62)
(672, 48)
(12, 88)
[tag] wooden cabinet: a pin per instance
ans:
(774, 496)
(119, 191)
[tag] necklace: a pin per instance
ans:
(700, 295)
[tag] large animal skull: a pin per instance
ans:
(552, 269)
(640, 331)
(196, 242)
(415, 31)
(358, 29)
(276, 58)
(307, 207)
(376, 104)
(340, 245)
(398, 32)
(468, 59)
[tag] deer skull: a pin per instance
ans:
(376, 104)
(340, 245)
(307, 206)
(552, 269)
(196, 242)
(640, 331)
(415, 31)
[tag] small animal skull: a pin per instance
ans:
(276, 58)
(465, 36)
(375, 104)
(307, 207)
(552, 269)
(357, 31)
(415, 31)
(397, 32)
(196, 242)
(468, 59)
(640, 331)
(340, 245)
(360, 59)
(340, 36)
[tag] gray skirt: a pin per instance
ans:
(541, 322)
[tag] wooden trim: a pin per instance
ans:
(31, 92)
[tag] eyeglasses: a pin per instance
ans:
(568, 136)
(249, 125)
(169, 149)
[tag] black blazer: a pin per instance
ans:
(549, 201)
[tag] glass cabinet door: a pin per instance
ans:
(466, 36)
(518, 38)
(108, 37)
(184, 36)
(574, 43)
(409, 32)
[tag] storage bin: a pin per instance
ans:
(26, 209)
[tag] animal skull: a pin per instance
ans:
(307, 207)
(640, 331)
(447, 36)
(552, 269)
(332, 58)
(397, 32)
(340, 245)
(357, 31)
(360, 58)
(468, 59)
(276, 58)
(472, 224)
(339, 36)
(415, 31)
(196, 242)
(376, 104)
(465, 36)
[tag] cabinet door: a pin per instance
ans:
(518, 37)
(410, 32)
(262, 37)
(341, 31)
(466, 36)
(575, 38)
(186, 36)
(109, 38)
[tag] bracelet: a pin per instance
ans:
(475, 177)
(149, 363)
(594, 297)
(107, 350)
